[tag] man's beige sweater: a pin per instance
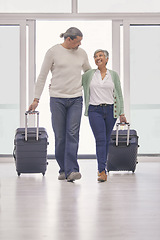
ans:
(66, 66)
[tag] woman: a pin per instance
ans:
(103, 105)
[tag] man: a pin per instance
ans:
(65, 61)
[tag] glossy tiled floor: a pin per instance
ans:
(127, 207)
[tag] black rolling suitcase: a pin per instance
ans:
(122, 154)
(30, 148)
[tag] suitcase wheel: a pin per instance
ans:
(43, 174)
(19, 173)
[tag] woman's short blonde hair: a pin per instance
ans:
(106, 53)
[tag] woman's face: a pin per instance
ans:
(100, 59)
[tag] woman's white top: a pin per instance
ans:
(101, 91)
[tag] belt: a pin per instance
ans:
(104, 104)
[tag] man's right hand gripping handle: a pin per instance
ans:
(34, 105)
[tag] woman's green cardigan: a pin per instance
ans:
(118, 98)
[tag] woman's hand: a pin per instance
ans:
(123, 119)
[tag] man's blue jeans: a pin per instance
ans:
(66, 118)
(102, 121)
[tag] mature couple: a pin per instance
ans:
(103, 101)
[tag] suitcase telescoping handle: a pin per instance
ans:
(26, 123)
(128, 132)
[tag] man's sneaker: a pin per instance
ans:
(102, 177)
(62, 176)
(73, 176)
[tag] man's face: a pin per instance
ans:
(75, 43)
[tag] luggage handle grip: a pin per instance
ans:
(128, 132)
(123, 123)
(31, 112)
(26, 123)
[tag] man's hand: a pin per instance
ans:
(34, 105)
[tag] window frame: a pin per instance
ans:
(118, 19)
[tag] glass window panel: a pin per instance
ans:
(118, 6)
(121, 59)
(9, 91)
(145, 85)
(36, 6)
(92, 40)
